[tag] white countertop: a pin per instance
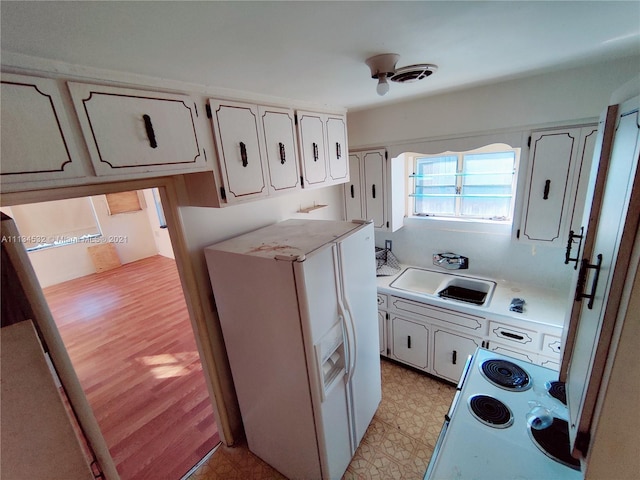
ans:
(544, 306)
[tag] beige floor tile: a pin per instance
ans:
(397, 445)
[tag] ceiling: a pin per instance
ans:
(316, 51)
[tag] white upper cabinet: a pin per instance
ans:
(256, 148)
(555, 192)
(135, 131)
(376, 189)
(37, 141)
(323, 149)
(237, 133)
(337, 153)
(281, 148)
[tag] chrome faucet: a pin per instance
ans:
(451, 261)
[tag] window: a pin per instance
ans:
(55, 223)
(478, 184)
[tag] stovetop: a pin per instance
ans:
(500, 447)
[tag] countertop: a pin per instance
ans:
(542, 305)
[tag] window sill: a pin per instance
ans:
(461, 225)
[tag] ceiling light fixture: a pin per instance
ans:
(382, 66)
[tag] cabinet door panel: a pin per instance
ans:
(374, 187)
(410, 342)
(337, 153)
(552, 157)
(280, 148)
(239, 152)
(450, 352)
(36, 142)
(352, 190)
(133, 131)
(312, 148)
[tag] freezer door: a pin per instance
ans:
(356, 255)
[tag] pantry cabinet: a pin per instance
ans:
(323, 149)
(135, 131)
(37, 140)
(375, 190)
(559, 161)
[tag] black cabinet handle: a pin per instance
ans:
(352, 192)
(150, 133)
(373, 190)
(567, 255)
(283, 155)
(243, 154)
(409, 341)
(338, 152)
(547, 186)
(582, 278)
(454, 358)
(315, 152)
(511, 335)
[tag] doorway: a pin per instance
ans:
(127, 331)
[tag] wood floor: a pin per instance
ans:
(130, 340)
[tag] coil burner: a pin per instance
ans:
(490, 411)
(506, 375)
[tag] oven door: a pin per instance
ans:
(447, 419)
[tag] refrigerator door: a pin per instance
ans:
(356, 256)
(318, 290)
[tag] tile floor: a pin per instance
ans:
(397, 445)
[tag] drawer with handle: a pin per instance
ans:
(382, 301)
(514, 335)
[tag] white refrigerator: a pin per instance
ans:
(298, 310)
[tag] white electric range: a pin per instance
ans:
(488, 433)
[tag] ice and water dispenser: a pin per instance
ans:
(330, 354)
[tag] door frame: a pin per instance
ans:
(206, 338)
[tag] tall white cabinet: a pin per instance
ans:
(375, 190)
(559, 161)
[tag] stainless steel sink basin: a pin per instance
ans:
(449, 286)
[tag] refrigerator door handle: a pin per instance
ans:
(348, 322)
(342, 317)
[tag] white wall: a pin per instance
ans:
(160, 235)
(59, 264)
(555, 98)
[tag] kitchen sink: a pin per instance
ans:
(448, 286)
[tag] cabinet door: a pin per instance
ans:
(586, 148)
(353, 190)
(552, 161)
(36, 135)
(280, 148)
(450, 352)
(410, 342)
(374, 193)
(382, 317)
(236, 130)
(337, 153)
(311, 135)
(134, 131)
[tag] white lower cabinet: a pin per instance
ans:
(438, 340)
(382, 330)
(410, 342)
(450, 352)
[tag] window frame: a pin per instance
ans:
(459, 184)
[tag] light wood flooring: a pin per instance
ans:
(397, 445)
(130, 340)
